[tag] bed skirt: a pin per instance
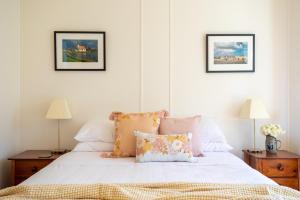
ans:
(162, 191)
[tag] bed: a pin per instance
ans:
(86, 175)
(89, 168)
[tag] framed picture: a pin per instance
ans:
(230, 53)
(79, 51)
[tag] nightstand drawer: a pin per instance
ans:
(280, 167)
(28, 163)
(283, 167)
(288, 182)
(26, 168)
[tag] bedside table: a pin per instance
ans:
(283, 167)
(28, 163)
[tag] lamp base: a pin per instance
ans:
(58, 151)
(254, 150)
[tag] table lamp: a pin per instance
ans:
(59, 110)
(254, 109)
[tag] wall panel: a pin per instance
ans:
(221, 95)
(90, 94)
(155, 54)
(294, 25)
(155, 60)
(9, 85)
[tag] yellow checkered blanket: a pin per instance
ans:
(161, 191)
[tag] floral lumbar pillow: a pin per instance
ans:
(176, 147)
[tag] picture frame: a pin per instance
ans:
(79, 51)
(229, 53)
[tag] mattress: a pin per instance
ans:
(89, 167)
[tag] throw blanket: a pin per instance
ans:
(161, 191)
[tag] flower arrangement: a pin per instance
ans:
(272, 129)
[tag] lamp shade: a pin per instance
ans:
(254, 109)
(59, 109)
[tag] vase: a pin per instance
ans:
(272, 144)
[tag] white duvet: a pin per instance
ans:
(89, 167)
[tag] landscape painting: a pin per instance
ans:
(230, 53)
(80, 50)
(227, 53)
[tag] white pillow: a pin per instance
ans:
(210, 132)
(94, 146)
(96, 130)
(215, 146)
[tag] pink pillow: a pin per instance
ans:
(169, 126)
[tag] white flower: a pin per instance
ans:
(177, 145)
(272, 129)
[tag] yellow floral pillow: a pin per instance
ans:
(151, 147)
(125, 124)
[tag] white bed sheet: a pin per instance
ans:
(89, 167)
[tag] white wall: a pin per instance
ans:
(155, 59)
(294, 76)
(221, 95)
(10, 84)
(90, 94)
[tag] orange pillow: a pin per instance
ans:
(126, 124)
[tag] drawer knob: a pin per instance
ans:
(34, 169)
(280, 167)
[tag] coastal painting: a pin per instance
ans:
(230, 53)
(79, 51)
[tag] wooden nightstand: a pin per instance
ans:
(283, 167)
(28, 163)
